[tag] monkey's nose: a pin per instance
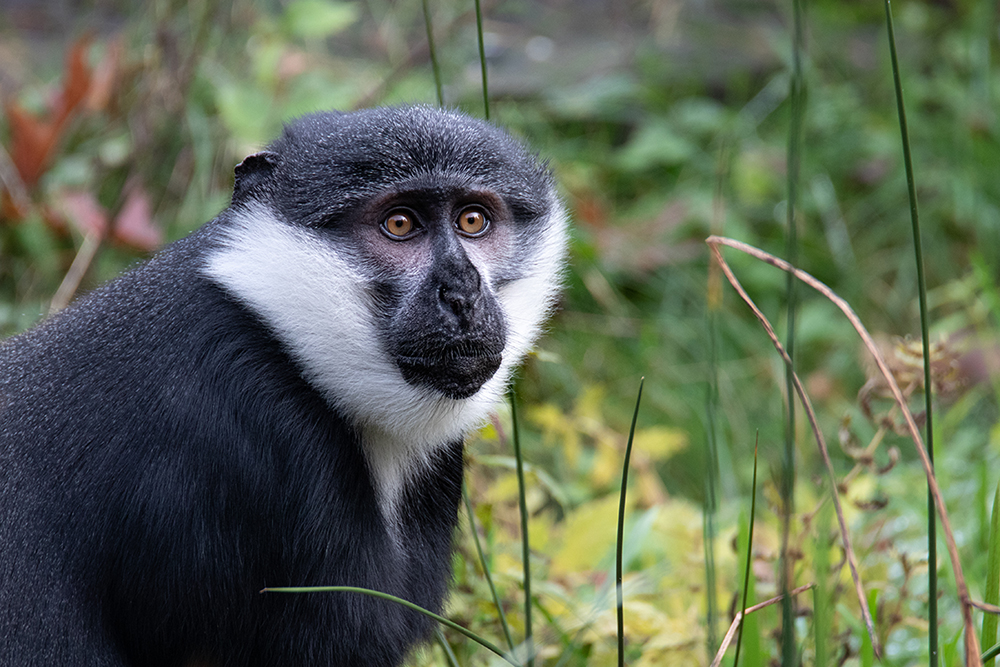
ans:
(458, 300)
(459, 291)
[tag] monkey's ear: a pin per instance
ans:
(253, 173)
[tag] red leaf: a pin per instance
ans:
(591, 210)
(32, 141)
(134, 225)
(83, 211)
(77, 79)
(105, 76)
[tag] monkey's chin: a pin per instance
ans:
(455, 376)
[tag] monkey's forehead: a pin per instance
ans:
(394, 143)
(329, 160)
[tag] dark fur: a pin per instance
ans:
(146, 541)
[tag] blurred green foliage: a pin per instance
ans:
(664, 121)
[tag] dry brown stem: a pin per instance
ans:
(728, 639)
(71, 281)
(972, 650)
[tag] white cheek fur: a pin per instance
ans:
(315, 302)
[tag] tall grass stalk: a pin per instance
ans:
(991, 593)
(619, 545)
(525, 548)
(911, 190)
(713, 299)
(867, 650)
(449, 655)
(486, 570)
(789, 656)
(482, 60)
(822, 620)
(438, 86)
(749, 563)
(709, 505)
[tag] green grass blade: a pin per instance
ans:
(486, 571)
(525, 548)
(797, 99)
(712, 454)
(708, 542)
(482, 60)
(709, 504)
(621, 532)
(446, 647)
(991, 653)
(433, 51)
(867, 650)
(911, 189)
(822, 616)
(749, 564)
(991, 594)
(406, 603)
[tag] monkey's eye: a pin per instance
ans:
(398, 226)
(472, 222)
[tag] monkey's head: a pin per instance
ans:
(405, 257)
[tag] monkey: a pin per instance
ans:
(279, 398)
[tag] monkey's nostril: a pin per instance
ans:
(456, 300)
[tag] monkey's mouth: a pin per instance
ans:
(456, 374)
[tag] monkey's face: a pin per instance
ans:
(406, 257)
(433, 247)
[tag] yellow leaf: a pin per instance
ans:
(488, 432)
(680, 642)
(607, 466)
(660, 442)
(504, 490)
(589, 535)
(548, 418)
(557, 428)
(590, 403)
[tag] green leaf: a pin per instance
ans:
(246, 111)
(315, 19)
(655, 144)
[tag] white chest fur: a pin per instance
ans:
(316, 303)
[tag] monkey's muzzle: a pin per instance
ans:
(455, 373)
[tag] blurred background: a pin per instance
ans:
(664, 121)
